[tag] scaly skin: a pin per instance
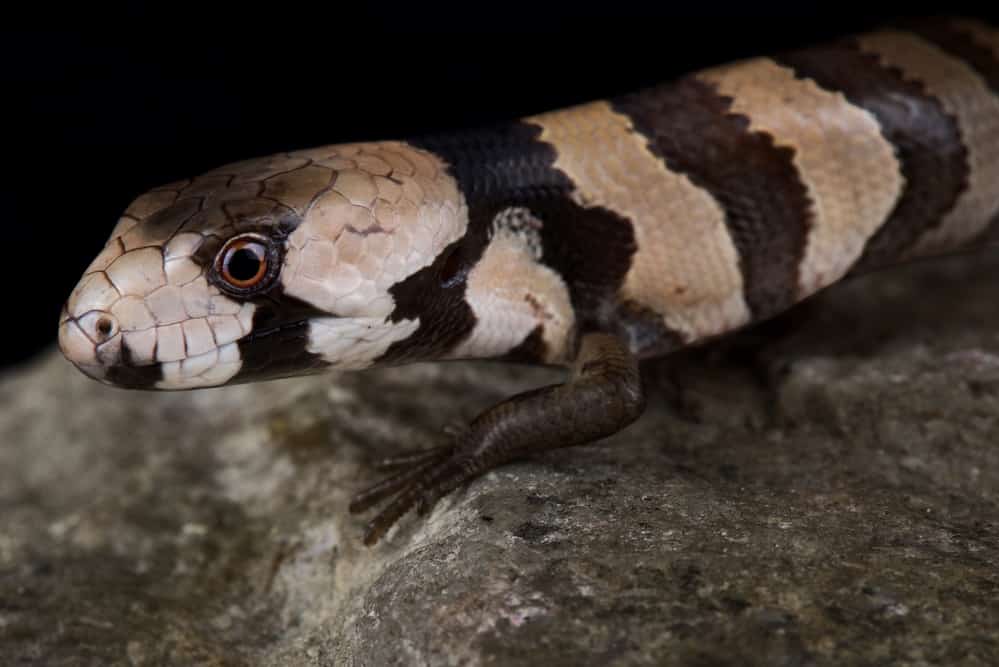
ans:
(589, 238)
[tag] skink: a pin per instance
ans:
(590, 238)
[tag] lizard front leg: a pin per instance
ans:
(602, 396)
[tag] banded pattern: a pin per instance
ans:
(751, 186)
(612, 166)
(667, 217)
(767, 211)
(589, 237)
(959, 70)
(832, 146)
(926, 139)
(508, 169)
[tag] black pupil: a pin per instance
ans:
(244, 264)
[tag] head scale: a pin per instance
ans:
(267, 268)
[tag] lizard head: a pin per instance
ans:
(266, 268)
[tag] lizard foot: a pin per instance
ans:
(603, 396)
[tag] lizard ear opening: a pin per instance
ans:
(453, 270)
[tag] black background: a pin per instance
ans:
(99, 108)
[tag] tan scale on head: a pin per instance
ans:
(265, 268)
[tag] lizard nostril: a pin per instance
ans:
(99, 326)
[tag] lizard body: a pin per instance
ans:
(590, 237)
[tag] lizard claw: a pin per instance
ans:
(411, 459)
(420, 486)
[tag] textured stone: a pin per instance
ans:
(848, 516)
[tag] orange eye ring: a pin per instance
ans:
(247, 264)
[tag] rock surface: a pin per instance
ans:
(848, 515)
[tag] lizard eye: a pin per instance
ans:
(247, 264)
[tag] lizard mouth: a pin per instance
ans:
(273, 332)
(278, 351)
(129, 376)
